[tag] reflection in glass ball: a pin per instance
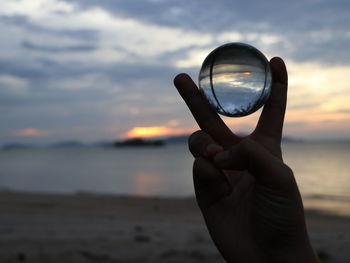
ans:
(236, 79)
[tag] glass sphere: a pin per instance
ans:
(236, 79)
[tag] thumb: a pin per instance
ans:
(251, 156)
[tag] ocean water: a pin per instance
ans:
(322, 171)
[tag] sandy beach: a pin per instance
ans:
(104, 228)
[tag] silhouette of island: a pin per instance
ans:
(139, 142)
(16, 146)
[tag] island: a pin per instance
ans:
(139, 142)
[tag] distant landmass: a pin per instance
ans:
(16, 146)
(290, 139)
(67, 144)
(139, 142)
(177, 139)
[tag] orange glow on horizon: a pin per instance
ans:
(153, 131)
(31, 132)
(230, 74)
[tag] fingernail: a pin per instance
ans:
(213, 149)
(222, 157)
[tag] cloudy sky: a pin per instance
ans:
(100, 70)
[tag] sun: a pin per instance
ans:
(147, 132)
(154, 131)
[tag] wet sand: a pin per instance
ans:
(99, 228)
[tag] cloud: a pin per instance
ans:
(57, 49)
(305, 36)
(117, 34)
(23, 22)
(97, 69)
(13, 84)
(346, 110)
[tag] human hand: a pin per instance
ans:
(248, 196)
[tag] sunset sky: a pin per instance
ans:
(101, 70)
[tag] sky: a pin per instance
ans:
(102, 70)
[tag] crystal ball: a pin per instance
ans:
(236, 79)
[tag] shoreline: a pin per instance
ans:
(89, 227)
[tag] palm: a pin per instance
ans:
(247, 221)
(230, 217)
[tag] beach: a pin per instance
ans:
(86, 227)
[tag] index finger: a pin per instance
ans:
(207, 119)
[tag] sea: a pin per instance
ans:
(322, 171)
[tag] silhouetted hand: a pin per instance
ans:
(249, 198)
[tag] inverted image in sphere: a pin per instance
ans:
(236, 79)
